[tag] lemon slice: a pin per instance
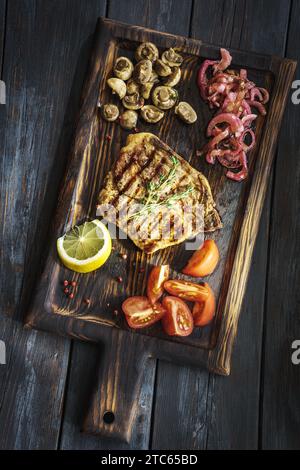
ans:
(85, 247)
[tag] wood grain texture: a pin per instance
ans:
(182, 406)
(77, 202)
(165, 16)
(229, 413)
(229, 401)
(90, 361)
(90, 96)
(124, 367)
(180, 422)
(219, 359)
(280, 378)
(240, 207)
(37, 133)
(237, 426)
(171, 16)
(3, 4)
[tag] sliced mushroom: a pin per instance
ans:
(154, 77)
(174, 78)
(146, 50)
(110, 112)
(162, 69)
(172, 58)
(143, 71)
(146, 90)
(151, 113)
(132, 87)
(128, 119)
(133, 101)
(186, 112)
(118, 86)
(123, 68)
(164, 97)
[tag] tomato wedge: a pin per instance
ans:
(186, 290)
(139, 312)
(204, 261)
(156, 279)
(178, 319)
(203, 312)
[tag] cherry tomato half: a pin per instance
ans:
(139, 312)
(156, 279)
(186, 290)
(203, 312)
(203, 261)
(178, 320)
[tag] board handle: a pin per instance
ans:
(117, 406)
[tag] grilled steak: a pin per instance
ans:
(155, 196)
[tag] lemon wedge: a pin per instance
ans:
(85, 247)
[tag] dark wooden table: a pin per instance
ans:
(46, 384)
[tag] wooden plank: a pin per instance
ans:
(127, 397)
(164, 16)
(220, 421)
(280, 419)
(41, 105)
(2, 30)
(240, 206)
(78, 202)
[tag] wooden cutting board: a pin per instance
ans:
(240, 206)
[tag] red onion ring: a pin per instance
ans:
(236, 125)
(233, 94)
(218, 138)
(265, 94)
(224, 62)
(243, 173)
(246, 147)
(255, 94)
(232, 164)
(210, 159)
(202, 79)
(248, 119)
(259, 106)
(246, 107)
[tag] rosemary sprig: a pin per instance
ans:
(168, 201)
(153, 199)
(154, 189)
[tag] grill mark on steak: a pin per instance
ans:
(142, 182)
(141, 162)
(127, 158)
(132, 179)
(135, 175)
(172, 190)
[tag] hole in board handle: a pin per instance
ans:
(108, 417)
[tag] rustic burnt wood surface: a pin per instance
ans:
(218, 419)
(240, 206)
(218, 407)
(281, 379)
